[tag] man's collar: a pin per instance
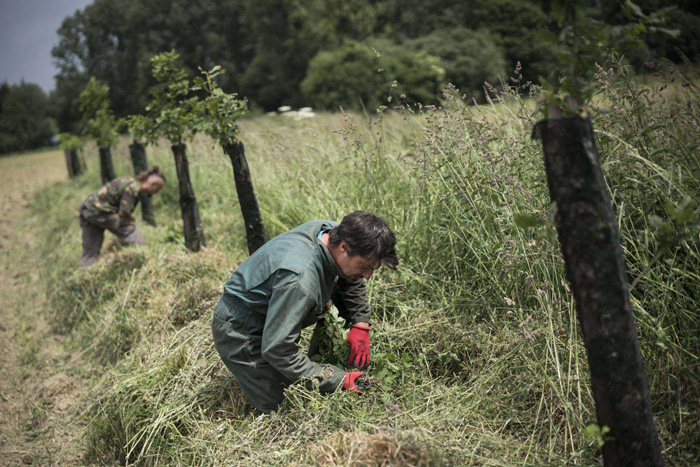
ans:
(329, 262)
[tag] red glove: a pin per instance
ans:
(358, 338)
(350, 377)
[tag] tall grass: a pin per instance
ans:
(475, 336)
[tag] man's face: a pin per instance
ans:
(355, 267)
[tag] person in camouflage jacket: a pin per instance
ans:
(110, 208)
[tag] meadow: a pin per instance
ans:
(475, 338)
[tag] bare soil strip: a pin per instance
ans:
(41, 395)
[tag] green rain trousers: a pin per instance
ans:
(237, 335)
(238, 338)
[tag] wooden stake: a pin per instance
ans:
(69, 163)
(596, 270)
(73, 163)
(255, 229)
(106, 166)
(140, 163)
(192, 226)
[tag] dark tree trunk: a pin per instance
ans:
(596, 269)
(78, 162)
(106, 166)
(138, 159)
(69, 163)
(255, 230)
(81, 161)
(194, 237)
(75, 168)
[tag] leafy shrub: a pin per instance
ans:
(345, 77)
(468, 57)
(266, 80)
(98, 118)
(521, 29)
(330, 341)
(70, 142)
(362, 75)
(686, 44)
(24, 117)
(417, 77)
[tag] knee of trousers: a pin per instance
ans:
(262, 384)
(129, 234)
(264, 387)
(87, 261)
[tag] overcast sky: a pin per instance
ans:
(27, 34)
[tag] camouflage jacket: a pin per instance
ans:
(119, 194)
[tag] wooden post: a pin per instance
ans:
(75, 168)
(81, 160)
(78, 162)
(596, 270)
(255, 230)
(194, 237)
(106, 166)
(69, 163)
(138, 159)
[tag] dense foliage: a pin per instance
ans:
(469, 57)
(98, 119)
(171, 113)
(24, 117)
(222, 109)
(70, 142)
(270, 48)
(357, 75)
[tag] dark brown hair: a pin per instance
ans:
(368, 236)
(143, 176)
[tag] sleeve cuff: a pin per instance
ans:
(334, 381)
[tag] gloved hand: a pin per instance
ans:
(350, 377)
(358, 338)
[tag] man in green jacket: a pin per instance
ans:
(287, 285)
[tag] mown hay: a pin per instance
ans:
(384, 448)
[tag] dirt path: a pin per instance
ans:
(40, 392)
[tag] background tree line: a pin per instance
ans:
(326, 53)
(25, 121)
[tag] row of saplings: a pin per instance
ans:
(585, 222)
(175, 114)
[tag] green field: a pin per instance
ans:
(475, 335)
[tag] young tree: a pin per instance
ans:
(595, 266)
(222, 112)
(100, 124)
(173, 115)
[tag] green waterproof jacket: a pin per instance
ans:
(290, 281)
